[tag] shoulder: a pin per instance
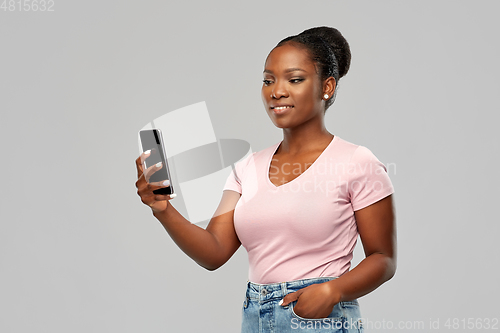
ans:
(363, 155)
(353, 152)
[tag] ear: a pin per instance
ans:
(329, 86)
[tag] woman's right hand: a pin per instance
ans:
(156, 202)
(210, 247)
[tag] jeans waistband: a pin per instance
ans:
(264, 292)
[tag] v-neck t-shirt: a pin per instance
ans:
(305, 228)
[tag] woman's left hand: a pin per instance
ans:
(314, 301)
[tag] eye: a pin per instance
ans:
(296, 80)
(266, 82)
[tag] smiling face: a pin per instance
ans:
(292, 91)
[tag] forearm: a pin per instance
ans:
(367, 276)
(196, 242)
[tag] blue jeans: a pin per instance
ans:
(261, 312)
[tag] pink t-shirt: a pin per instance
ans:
(304, 228)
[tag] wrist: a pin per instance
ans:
(160, 213)
(334, 292)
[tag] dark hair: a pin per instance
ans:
(329, 51)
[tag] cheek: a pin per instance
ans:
(306, 95)
(264, 94)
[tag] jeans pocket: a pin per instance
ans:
(333, 316)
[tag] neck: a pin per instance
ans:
(297, 141)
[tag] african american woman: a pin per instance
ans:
(298, 206)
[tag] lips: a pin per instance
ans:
(281, 106)
(280, 109)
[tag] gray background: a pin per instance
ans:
(79, 252)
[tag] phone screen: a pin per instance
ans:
(152, 140)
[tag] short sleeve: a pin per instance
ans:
(369, 181)
(233, 182)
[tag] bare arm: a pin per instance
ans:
(377, 229)
(210, 247)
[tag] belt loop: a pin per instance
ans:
(285, 291)
(283, 287)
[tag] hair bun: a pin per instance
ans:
(338, 43)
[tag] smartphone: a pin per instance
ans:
(152, 139)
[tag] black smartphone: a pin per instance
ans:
(152, 139)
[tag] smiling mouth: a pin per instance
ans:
(282, 107)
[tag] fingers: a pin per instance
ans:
(290, 298)
(151, 170)
(164, 183)
(139, 160)
(161, 197)
(146, 191)
(149, 199)
(158, 202)
(145, 188)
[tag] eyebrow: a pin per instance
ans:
(288, 70)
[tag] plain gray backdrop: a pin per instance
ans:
(79, 252)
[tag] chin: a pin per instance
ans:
(281, 125)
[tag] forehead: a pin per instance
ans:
(288, 56)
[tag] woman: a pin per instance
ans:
(298, 206)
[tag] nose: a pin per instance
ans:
(279, 90)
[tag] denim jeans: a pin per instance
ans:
(261, 312)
